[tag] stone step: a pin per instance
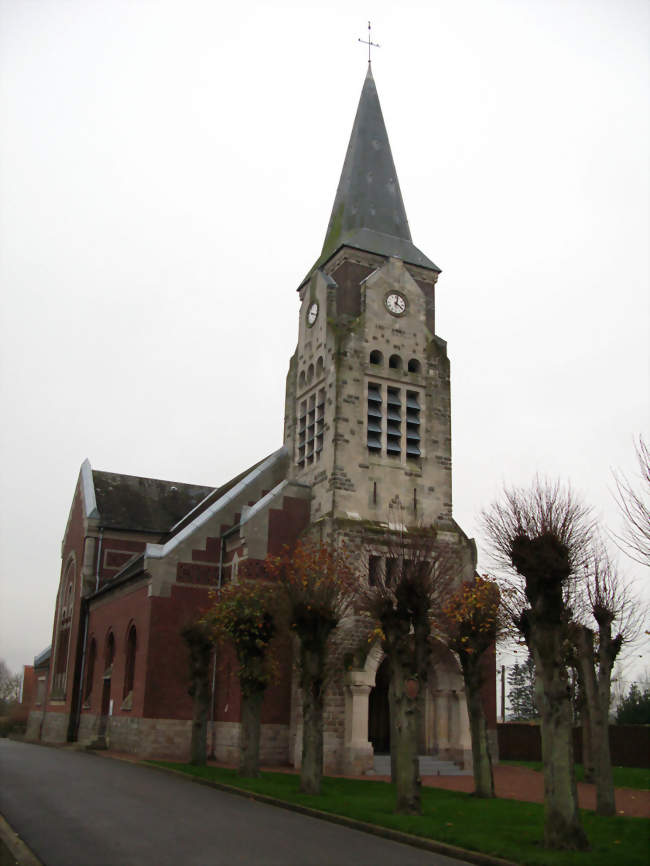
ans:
(429, 766)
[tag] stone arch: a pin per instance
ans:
(445, 724)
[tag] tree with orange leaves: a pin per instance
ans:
(318, 583)
(245, 616)
(471, 621)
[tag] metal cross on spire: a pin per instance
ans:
(369, 43)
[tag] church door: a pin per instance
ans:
(378, 712)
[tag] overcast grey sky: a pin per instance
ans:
(167, 171)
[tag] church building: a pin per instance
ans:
(367, 433)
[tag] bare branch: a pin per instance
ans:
(634, 506)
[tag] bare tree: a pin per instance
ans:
(541, 535)
(411, 578)
(608, 604)
(9, 687)
(634, 505)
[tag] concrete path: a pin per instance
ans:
(75, 809)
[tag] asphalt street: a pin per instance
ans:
(78, 809)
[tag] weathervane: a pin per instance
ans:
(368, 42)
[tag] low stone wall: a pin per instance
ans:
(274, 743)
(55, 727)
(171, 738)
(34, 721)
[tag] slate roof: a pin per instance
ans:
(368, 211)
(213, 496)
(143, 504)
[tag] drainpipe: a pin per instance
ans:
(213, 735)
(99, 557)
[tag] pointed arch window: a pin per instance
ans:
(129, 669)
(62, 650)
(90, 670)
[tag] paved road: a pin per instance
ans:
(78, 809)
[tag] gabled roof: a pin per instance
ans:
(218, 500)
(143, 504)
(368, 211)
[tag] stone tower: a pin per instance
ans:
(367, 412)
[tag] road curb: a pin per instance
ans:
(374, 829)
(23, 855)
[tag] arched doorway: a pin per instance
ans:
(378, 712)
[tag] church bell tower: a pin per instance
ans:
(367, 413)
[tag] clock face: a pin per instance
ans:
(312, 314)
(395, 304)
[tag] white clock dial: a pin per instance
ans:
(312, 314)
(396, 304)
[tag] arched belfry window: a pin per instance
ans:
(395, 362)
(376, 357)
(129, 669)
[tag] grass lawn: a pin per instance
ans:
(504, 828)
(624, 777)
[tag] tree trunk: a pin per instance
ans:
(200, 650)
(589, 772)
(481, 759)
(313, 670)
(597, 697)
(200, 710)
(562, 827)
(406, 772)
(249, 748)
(393, 737)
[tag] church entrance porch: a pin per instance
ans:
(445, 724)
(379, 712)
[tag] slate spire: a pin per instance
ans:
(368, 211)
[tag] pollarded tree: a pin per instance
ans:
(411, 581)
(244, 616)
(318, 584)
(541, 535)
(607, 603)
(198, 637)
(471, 623)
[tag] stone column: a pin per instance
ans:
(441, 721)
(358, 751)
